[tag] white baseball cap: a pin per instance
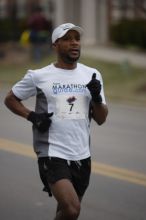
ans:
(62, 29)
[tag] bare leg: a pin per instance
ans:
(68, 201)
(58, 209)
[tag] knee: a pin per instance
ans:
(73, 211)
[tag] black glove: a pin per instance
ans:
(94, 87)
(41, 121)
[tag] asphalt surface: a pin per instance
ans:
(117, 189)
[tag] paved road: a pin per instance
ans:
(118, 181)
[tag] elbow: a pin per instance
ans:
(6, 101)
(102, 119)
(9, 99)
(100, 122)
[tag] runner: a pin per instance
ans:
(68, 95)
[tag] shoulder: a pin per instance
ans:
(40, 70)
(38, 73)
(89, 70)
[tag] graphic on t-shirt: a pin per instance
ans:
(58, 88)
(71, 101)
(71, 107)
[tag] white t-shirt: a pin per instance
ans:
(64, 93)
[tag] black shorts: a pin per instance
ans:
(53, 169)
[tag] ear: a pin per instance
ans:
(54, 45)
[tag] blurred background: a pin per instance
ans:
(114, 42)
(120, 22)
(114, 39)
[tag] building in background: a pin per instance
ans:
(130, 9)
(95, 16)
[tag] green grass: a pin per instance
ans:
(122, 82)
(12, 72)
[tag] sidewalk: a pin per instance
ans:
(116, 55)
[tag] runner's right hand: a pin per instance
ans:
(41, 121)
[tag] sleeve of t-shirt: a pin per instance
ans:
(25, 88)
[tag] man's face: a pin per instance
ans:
(68, 47)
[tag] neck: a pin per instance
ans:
(63, 65)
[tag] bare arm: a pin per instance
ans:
(99, 112)
(15, 105)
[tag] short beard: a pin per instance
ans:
(68, 59)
